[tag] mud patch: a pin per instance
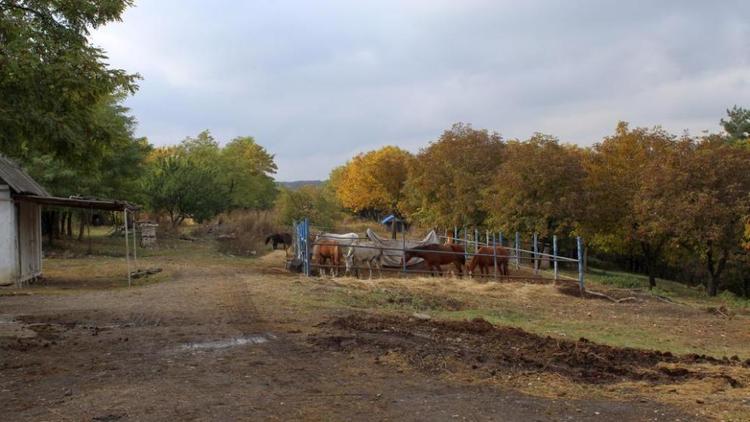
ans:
(477, 345)
(228, 343)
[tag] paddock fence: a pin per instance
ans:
(528, 257)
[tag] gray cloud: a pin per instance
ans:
(316, 82)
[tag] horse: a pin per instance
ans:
(435, 255)
(361, 252)
(485, 259)
(277, 238)
(325, 250)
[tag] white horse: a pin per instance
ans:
(363, 252)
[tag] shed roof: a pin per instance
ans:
(18, 180)
(78, 202)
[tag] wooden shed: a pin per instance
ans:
(21, 201)
(20, 225)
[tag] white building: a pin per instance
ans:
(20, 225)
(21, 201)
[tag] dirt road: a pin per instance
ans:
(225, 344)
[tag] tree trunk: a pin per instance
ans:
(81, 224)
(714, 269)
(649, 262)
(69, 224)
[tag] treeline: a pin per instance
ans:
(643, 198)
(62, 117)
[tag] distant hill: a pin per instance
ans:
(296, 184)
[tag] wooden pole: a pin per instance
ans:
(518, 250)
(135, 244)
(127, 244)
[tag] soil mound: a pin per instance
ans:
(435, 345)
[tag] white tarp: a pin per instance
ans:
(392, 252)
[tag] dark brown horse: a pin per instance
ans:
(486, 259)
(280, 238)
(328, 250)
(435, 256)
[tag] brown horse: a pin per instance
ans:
(328, 250)
(435, 256)
(486, 259)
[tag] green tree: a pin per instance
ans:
(737, 125)
(247, 170)
(446, 179)
(53, 81)
(182, 188)
(316, 203)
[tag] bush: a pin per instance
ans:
(243, 232)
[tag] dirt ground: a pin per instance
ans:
(217, 338)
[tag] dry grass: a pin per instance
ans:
(241, 233)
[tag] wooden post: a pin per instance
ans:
(476, 240)
(554, 253)
(306, 239)
(135, 243)
(579, 244)
(500, 238)
(518, 250)
(127, 244)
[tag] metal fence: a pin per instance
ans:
(529, 257)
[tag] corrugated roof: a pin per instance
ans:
(20, 182)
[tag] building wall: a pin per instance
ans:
(8, 238)
(30, 232)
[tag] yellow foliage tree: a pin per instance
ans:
(371, 183)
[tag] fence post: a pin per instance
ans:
(476, 240)
(579, 245)
(127, 243)
(403, 251)
(536, 253)
(518, 250)
(466, 245)
(554, 253)
(500, 238)
(494, 253)
(306, 233)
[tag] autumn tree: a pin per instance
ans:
(372, 183)
(538, 188)
(446, 178)
(701, 193)
(616, 171)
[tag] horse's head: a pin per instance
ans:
(472, 264)
(268, 238)
(408, 255)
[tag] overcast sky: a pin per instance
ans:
(316, 82)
